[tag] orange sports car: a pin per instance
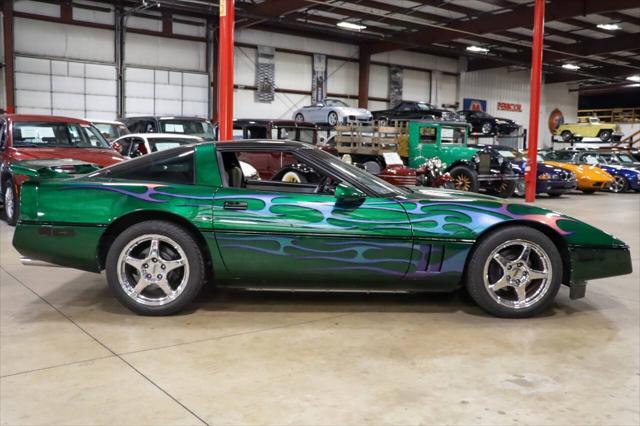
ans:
(589, 179)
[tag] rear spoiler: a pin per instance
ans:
(51, 169)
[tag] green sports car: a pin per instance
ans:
(164, 224)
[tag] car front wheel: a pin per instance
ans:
(299, 118)
(619, 184)
(11, 203)
(487, 128)
(515, 272)
(566, 136)
(605, 135)
(155, 268)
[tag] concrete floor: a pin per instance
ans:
(71, 354)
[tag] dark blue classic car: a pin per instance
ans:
(552, 181)
(625, 177)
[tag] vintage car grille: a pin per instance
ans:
(484, 166)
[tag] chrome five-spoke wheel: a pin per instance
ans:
(153, 270)
(517, 274)
(619, 184)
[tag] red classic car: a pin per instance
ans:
(60, 143)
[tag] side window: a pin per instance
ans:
(174, 166)
(428, 135)
(590, 159)
(278, 171)
(150, 127)
(138, 147)
(125, 145)
(3, 135)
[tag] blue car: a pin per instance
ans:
(625, 178)
(553, 181)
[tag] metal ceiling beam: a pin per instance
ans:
(271, 9)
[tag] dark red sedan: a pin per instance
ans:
(43, 138)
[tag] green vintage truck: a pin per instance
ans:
(471, 168)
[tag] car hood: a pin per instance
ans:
(582, 170)
(456, 213)
(501, 120)
(100, 157)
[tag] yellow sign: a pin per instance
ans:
(223, 7)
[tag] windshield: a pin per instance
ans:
(625, 158)
(481, 114)
(424, 106)
(58, 135)
(161, 144)
(111, 131)
(560, 156)
(509, 154)
(201, 128)
(375, 184)
(335, 103)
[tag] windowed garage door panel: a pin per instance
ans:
(162, 92)
(76, 89)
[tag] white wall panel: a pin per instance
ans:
(419, 60)
(377, 105)
(63, 88)
(283, 105)
(244, 59)
(197, 29)
(162, 92)
(416, 85)
(342, 77)
(97, 16)
(379, 81)
(293, 71)
(447, 89)
(63, 41)
(162, 52)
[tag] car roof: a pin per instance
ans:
(166, 117)
(277, 122)
(44, 118)
(162, 135)
(117, 123)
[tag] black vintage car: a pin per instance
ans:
(275, 129)
(488, 125)
(410, 110)
(182, 125)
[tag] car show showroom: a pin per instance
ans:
(320, 212)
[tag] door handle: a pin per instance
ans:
(235, 205)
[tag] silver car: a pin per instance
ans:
(331, 111)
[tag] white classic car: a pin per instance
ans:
(331, 111)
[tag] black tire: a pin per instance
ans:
(566, 136)
(487, 128)
(464, 178)
(9, 195)
(554, 194)
(332, 118)
(605, 135)
(192, 253)
(504, 190)
(475, 276)
(620, 185)
(299, 118)
(588, 191)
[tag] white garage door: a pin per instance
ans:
(162, 92)
(67, 88)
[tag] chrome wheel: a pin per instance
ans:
(486, 128)
(153, 270)
(9, 202)
(619, 184)
(299, 118)
(517, 274)
(520, 189)
(333, 118)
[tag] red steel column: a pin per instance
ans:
(534, 111)
(225, 70)
(7, 11)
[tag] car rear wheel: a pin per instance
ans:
(11, 203)
(487, 128)
(566, 136)
(605, 135)
(332, 118)
(505, 190)
(299, 118)
(619, 184)
(155, 268)
(515, 272)
(464, 179)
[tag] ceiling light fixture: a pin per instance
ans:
(571, 67)
(351, 26)
(634, 78)
(477, 49)
(608, 27)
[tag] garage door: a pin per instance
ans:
(75, 89)
(162, 92)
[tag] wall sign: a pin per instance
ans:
(265, 74)
(507, 106)
(319, 78)
(474, 104)
(395, 85)
(556, 119)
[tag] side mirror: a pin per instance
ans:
(347, 194)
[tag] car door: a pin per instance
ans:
(278, 233)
